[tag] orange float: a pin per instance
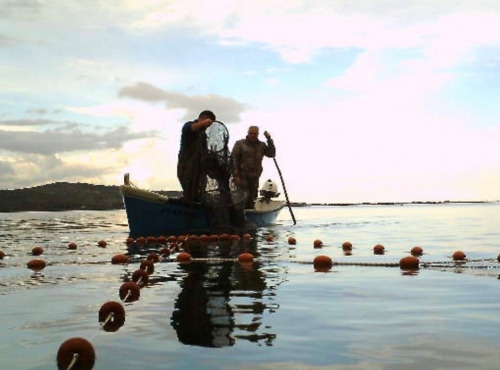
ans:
(36, 265)
(184, 257)
(76, 353)
(417, 251)
(120, 259)
(151, 240)
(317, 243)
(165, 252)
(2, 255)
(72, 245)
(111, 316)
(153, 257)
(292, 240)
(130, 292)
(379, 249)
(129, 241)
(459, 256)
(409, 263)
(37, 251)
(247, 236)
(245, 257)
(140, 240)
(270, 238)
(347, 246)
(102, 243)
(323, 262)
(148, 266)
(141, 277)
(161, 239)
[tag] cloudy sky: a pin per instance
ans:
(367, 100)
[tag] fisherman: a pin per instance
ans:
(193, 149)
(248, 154)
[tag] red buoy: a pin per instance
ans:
(270, 238)
(322, 262)
(111, 316)
(102, 243)
(119, 259)
(379, 249)
(140, 240)
(347, 246)
(409, 263)
(148, 266)
(165, 252)
(247, 237)
(184, 257)
(153, 257)
(140, 277)
(151, 240)
(2, 255)
(245, 258)
(76, 353)
(36, 265)
(37, 251)
(292, 240)
(72, 245)
(129, 241)
(459, 256)
(318, 243)
(161, 239)
(130, 292)
(417, 251)
(498, 257)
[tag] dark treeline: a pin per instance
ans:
(63, 196)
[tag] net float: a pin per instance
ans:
(184, 257)
(459, 256)
(148, 266)
(102, 243)
(76, 353)
(317, 243)
(270, 238)
(153, 257)
(409, 263)
(111, 316)
(2, 255)
(347, 246)
(245, 257)
(37, 251)
(379, 249)
(323, 262)
(119, 259)
(72, 245)
(292, 240)
(140, 277)
(417, 251)
(129, 292)
(162, 239)
(36, 265)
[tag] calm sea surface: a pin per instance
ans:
(278, 313)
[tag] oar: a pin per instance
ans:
(284, 189)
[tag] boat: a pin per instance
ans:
(152, 214)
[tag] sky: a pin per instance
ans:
(367, 100)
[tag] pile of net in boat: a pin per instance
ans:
(219, 195)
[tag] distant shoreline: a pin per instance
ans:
(64, 196)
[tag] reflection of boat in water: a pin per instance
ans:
(150, 213)
(221, 302)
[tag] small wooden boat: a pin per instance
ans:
(150, 213)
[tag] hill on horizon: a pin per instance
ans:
(65, 196)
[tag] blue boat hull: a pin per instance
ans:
(149, 215)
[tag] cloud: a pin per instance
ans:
(57, 141)
(222, 106)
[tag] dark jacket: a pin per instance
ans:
(248, 156)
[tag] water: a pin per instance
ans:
(278, 313)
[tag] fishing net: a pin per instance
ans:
(218, 195)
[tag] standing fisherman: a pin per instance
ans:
(248, 154)
(190, 171)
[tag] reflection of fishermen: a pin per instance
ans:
(193, 149)
(248, 154)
